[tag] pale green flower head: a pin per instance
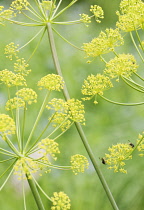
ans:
(60, 201)
(7, 125)
(122, 65)
(117, 155)
(104, 43)
(79, 164)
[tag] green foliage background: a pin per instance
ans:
(106, 124)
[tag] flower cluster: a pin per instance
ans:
(20, 67)
(104, 43)
(48, 5)
(14, 103)
(19, 5)
(95, 84)
(85, 18)
(49, 147)
(65, 112)
(11, 79)
(28, 95)
(117, 155)
(122, 65)
(51, 82)
(97, 11)
(79, 163)
(11, 50)
(5, 14)
(60, 201)
(131, 15)
(7, 125)
(26, 165)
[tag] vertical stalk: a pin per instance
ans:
(35, 193)
(78, 126)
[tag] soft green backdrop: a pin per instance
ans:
(106, 124)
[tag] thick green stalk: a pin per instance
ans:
(35, 193)
(78, 126)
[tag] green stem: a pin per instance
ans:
(131, 35)
(37, 119)
(122, 104)
(35, 193)
(78, 126)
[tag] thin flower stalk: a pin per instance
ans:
(78, 126)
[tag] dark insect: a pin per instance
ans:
(131, 144)
(103, 161)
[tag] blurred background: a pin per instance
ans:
(106, 124)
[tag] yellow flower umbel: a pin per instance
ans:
(51, 82)
(20, 67)
(60, 201)
(95, 84)
(14, 103)
(49, 147)
(79, 163)
(5, 14)
(11, 79)
(104, 43)
(28, 95)
(117, 155)
(98, 12)
(131, 15)
(19, 5)
(7, 125)
(66, 112)
(123, 65)
(11, 51)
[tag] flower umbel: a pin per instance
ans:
(60, 201)
(11, 50)
(51, 82)
(7, 125)
(79, 163)
(28, 95)
(117, 155)
(122, 65)
(95, 84)
(104, 43)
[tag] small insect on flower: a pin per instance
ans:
(103, 161)
(131, 144)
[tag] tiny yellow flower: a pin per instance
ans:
(79, 163)
(51, 82)
(60, 201)
(85, 18)
(5, 15)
